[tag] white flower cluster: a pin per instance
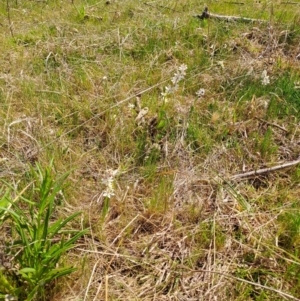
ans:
(179, 75)
(108, 181)
(265, 79)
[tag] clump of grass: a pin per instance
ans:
(38, 241)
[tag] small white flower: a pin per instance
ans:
(182, 68)
(168, 90)
(200, 92)
(108, 193)
(113, 172)
(176, 79)
(156, 146)
(108, 181)
(265, 78)
(179, 75)
(165, 98)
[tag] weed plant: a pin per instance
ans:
(39, 238)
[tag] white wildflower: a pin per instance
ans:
(109, 190)
(182, 68)
(200, 92)
(168, 90)
(265, 78)
(179, 75)
(108, 181)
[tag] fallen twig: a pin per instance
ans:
(265, 170)
(272, 124)
(207, 15)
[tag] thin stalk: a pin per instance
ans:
(9, 19)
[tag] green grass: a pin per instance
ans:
(38, 242)
(157, 193)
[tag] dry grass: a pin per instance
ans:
(176, 227)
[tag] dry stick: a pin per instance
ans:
(248, 282)
(124, 229)
(90, 280)
(206, 15)
(272, 124)
(265, 170)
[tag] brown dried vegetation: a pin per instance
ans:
(177, 227)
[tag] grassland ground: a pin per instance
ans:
(156, 114)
